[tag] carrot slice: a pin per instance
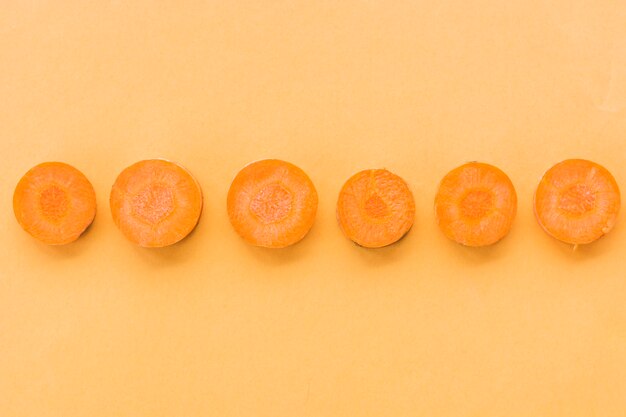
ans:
(375, 208)
(156, 203)
(577, 201)
(54, 202)
(476, 204)
(272, 203)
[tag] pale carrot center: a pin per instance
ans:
(54, 203)
(476, 204)
(154, 203)
(577, 199)
(376, 207)
(271, 204)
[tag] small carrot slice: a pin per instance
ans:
(272, 203)
(577, 201)
(54, 202)
(375, 208)
(476, 204)
(156, 203)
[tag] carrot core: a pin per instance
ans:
(271, 204)
(577, 200)
(376, 208)
(476, 204)
(54, 203)
(154, 203)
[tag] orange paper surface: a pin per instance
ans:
(214, 327)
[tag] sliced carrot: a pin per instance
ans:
(156, 203)
(375, 208)
(272, 203)
(476, 204)
(54, 202)
(577, 201)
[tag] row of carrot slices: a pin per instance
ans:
(273, 203)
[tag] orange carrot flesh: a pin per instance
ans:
(577, 201)
(54, 202)
(156, 203)
(476, 204)
(375, 208)
(272, 203)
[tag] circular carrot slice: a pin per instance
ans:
(54, 202)
(156, 203)
(476, 204)
(577, 201)
(375, 208)
(272, 203)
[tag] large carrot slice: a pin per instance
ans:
(54, 202)
(272, 203)
(476, 204)
(375, 208)
(156, 203)
(577, 201)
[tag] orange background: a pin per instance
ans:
(214, 327)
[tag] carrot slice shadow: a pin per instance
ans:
(76, 249)
(385, 255)
(285, 256)
(480, 255)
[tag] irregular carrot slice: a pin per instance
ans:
(156, 203)
(577, 201)
(476, 204)
(272, 203)
(54, 202)
(375, 208)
